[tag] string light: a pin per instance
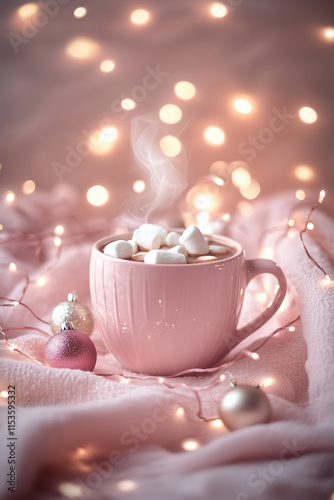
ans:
(180, 412)
(4, 394)
(310, 226)
(254, 355)
(57, 241)
(216, 423)
(41, 281)
(328, 34)
(12, 267)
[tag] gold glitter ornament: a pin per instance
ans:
(74, 312)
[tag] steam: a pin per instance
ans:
(166, 176)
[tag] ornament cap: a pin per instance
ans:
(72, 297)
(67, 325)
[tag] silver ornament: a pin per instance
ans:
(74, 312)
(244, 405)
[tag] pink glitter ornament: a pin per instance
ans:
(70, 349)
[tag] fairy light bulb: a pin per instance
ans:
(322, 195)
(216, 424)
(180, 412)
(12, 267)
(255, 356)
(190, 444)
(57, 241)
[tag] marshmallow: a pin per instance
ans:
(205, 258)
(139, 256)
(120, 248)
(179, 249)
(155, 228)
(217, 249)
(164, 257)
(193, 241)
(134, 246)
(146, 239)
(172, 239)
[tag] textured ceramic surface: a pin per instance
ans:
(161, 319)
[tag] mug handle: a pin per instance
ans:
(254, 268)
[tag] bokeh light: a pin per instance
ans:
(170, 145)
(190, 444)
(28, 187)
(27, 10)
(328, 34)
(140, 17)
(109, 134)
(82, 48)
(252, 191)
(128, 104)
(72, 490)
(80, 12)
(9, 197)
(307, 115)
(303, 173)
(41, 281)
(243, 106)
(97, 195)
(126, 485)
(59, 230)
(185, 90)
(300, 195)
(218, 10)
(205, 196)
(170, 113)
(139, 186)
(241, 178)
(107, 66)
(214, 136)
(12, 267)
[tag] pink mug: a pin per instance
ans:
(161, 319)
